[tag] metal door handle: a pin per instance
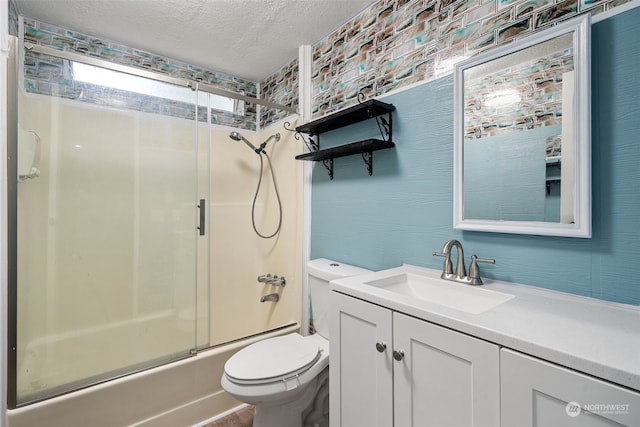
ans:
(398, 355)
(381, 347)
(202, 207)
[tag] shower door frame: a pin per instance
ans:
(13, 77)
(17, 398)
(12, 222)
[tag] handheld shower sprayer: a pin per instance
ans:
(260, 151)
(237, 137)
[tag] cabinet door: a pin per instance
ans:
(538, 393)
(445, 378)
(360, 379)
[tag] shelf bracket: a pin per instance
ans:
(368, 160)
(385, 127)
(308, 141)
(328, 164)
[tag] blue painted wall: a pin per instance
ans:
(404, 211)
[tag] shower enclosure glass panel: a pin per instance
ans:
(107, 233)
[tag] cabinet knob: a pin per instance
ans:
(398, 355)
(380, 346)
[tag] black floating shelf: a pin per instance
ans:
(366, 146)
(357, 113)
(363, 111)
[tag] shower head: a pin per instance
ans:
(237, 137)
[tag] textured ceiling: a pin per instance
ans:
(246, 38)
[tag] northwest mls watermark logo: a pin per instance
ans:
(574, 409)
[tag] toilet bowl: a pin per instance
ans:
(275, 370)
(286, 377)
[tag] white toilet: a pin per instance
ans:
(287, 377)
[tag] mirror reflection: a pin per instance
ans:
(513, 111)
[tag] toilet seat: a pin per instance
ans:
(289, 356)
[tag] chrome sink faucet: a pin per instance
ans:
(447, 267)
(461, 273)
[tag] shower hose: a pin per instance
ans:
(255, 197)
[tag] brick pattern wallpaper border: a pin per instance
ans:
(391, 45)
(397, 43)
(46, 75)
(282, 88)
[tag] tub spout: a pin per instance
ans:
(270, 297)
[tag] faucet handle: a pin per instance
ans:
(447, 267)
(264, 278)
(474, 270)
(487, 260)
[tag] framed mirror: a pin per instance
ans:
(522, 136)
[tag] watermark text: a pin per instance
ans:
(574, 409)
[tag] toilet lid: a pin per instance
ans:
(272, 359)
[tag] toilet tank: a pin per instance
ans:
(321, 271)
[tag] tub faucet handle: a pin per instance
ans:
(264, 278)
(278, 281)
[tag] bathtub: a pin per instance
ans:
(182, 393)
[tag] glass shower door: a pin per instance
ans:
(107, 218)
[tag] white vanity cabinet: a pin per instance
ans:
(360, 377)
(390, 369)
(538, 393)
(538, 358)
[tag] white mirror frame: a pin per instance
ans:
(580, 27)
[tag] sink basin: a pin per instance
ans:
(470, 299)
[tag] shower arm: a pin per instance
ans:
(264, 144)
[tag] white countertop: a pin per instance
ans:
(596, 337)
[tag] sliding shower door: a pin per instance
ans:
(108, 219)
